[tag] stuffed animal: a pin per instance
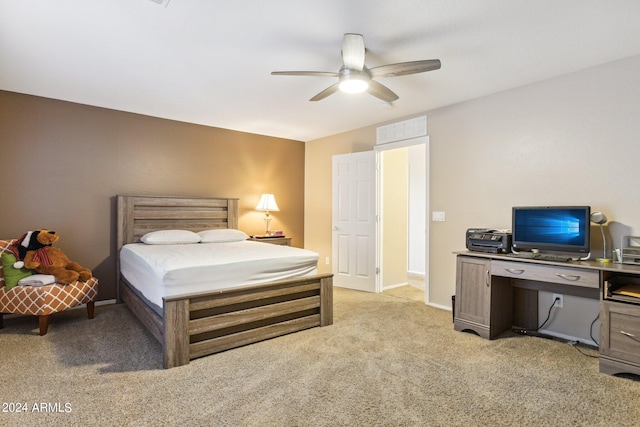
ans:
(34, 250)
(23, 245)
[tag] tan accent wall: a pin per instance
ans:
(62, 164)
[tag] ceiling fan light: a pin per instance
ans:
(353, 85)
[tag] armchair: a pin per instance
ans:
(42, 301)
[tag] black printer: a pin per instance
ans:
(489, 240)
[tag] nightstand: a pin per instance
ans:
(286, 241)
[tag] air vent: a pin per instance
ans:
(407, 129)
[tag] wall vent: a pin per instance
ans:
(407, 129)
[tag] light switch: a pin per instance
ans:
(437, 216)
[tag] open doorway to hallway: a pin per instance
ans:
(402, 193)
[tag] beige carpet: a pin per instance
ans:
(387, 361)
(407, 292)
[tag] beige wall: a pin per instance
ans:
(62, 164)
(567, 140)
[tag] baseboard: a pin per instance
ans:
(397, 285)
(416, 279)
(105, 302)
(442, 307)
(568, 337)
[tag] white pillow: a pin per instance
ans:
(222, 235)
(170, 237)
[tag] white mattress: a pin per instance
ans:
(158, 271)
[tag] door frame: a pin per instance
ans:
(378, 149)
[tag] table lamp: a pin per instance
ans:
(600, 218)
(267, 203)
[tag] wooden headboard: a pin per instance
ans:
(138, 215)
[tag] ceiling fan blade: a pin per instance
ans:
(328, 91)
(404, 68)
(305, 73)
(382, 92)
(353, 51)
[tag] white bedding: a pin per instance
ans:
(158, 271)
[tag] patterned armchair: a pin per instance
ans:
(42, 301)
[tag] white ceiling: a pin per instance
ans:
(209, 62)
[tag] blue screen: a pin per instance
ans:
(543, 228)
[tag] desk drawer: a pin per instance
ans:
(546, 273)
(620, 331)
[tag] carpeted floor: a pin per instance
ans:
(388, 360)
(407, 292)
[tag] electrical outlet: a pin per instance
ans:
(326, 261)
(560, 301)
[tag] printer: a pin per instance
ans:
(489, 240)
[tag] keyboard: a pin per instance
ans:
(542, 257)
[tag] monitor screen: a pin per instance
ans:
(551, 228)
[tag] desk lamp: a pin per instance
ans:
(267, 203)
(599, 218)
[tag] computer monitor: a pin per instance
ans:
(551, 229)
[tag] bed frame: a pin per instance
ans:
(200, 324)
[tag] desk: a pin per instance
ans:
(495, 293)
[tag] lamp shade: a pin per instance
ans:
(598, 218)
(267, 203)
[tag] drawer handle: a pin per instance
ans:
(627, 334)
(515, 270)
(572, 277)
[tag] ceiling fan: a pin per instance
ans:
(354, 76)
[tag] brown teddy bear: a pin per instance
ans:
(35, 249)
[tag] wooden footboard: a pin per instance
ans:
(196, 325)
(200, 324)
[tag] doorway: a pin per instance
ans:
(402, 228)
(359, 218)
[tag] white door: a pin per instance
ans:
(353, 221)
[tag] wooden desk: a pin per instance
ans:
(495, 293)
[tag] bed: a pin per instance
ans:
(195, 324)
